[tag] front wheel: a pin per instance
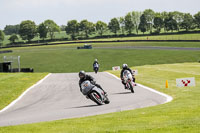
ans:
(95, 96)
(96, 70)
(131, 87)
(107, 101)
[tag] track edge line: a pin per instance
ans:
(24, 93)
(168, 98)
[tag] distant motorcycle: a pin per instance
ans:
(96, 67)
(94, 93)
(128, 79)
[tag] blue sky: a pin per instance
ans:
(14, 11)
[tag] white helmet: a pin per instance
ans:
(124, 66)
(95, 60)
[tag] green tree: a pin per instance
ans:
(149, 15)
(178, 16)
(122, 24)
(197, 19)
(143, 24)
(2, 36)
(13, 38)
(129, 26)
(87, 27)
(52, 27)
(170, 24)
(164, 15)
(136, 19)
(114, 25)
(11, 29)
(27, 30)
(101, 27)
(62, 27)
(42, 30)
(188, 22)
(72, 28)
(158, 24)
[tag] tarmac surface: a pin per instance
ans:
(59, 97)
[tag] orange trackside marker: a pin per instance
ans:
(166, 84)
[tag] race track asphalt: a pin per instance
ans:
(59, 97)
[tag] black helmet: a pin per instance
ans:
(82, 74)
(124, 66)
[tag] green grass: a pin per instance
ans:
(157, 37)
(179, 116)
(153, 44)
(60, 58)
(12, 85)
(113, 44)
(62, 35)
(159, 44)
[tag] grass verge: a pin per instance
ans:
(180, 115)
(13, 85)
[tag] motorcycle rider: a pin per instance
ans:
(95, 61)
(125, 67)
(95, 64)
(83, 77)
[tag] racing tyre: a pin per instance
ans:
(96, 97)
(131, 87)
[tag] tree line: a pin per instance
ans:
(146, 21)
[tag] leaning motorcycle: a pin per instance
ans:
(94, 93)
(128, 80)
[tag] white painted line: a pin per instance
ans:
(169, 98)
(24, 93)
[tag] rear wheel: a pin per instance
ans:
(96, 97)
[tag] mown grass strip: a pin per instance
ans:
(60, 59)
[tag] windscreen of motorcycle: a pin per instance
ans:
(96, 65)
(86, 86)
(127, 75)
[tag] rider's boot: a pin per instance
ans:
(125, 87)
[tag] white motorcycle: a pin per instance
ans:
(128, 80)
(94, 93)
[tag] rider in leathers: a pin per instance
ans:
(96, 64)
(95, 61)
(83, 77)
(125, 67)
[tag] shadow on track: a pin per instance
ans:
(86, 106)
(122, 93)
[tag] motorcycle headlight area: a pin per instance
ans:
(84, 85)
